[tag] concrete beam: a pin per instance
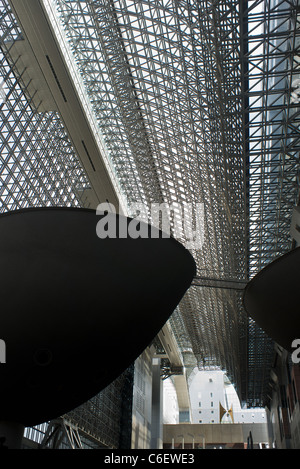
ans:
(49, 78)
(170, 345)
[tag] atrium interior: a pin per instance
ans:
(191, 108)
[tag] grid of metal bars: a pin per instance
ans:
(272, 55)
(166, 78)
(199, 95)
(38, 166)
(106, 419)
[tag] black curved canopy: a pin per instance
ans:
(271, 298)
(77, 310)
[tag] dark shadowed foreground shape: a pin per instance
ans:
(271, 298)
(77, 310)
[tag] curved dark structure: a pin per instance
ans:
(271, 298)
(77, 310)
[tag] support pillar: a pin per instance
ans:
(156, 419)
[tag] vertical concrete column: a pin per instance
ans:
(157, 406)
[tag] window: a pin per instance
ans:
(211, 404)
(184, 416)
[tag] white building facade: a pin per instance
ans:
(214, 400)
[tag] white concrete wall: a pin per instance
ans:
(142, 402)
(170, 403)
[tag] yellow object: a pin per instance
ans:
(223, 411)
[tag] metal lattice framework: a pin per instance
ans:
(273, 119)
(194, 99)
(38, 165)
(165, 82)
(194, 102)
(106, 418)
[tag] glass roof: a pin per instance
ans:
(191, 98)
(166, 91)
